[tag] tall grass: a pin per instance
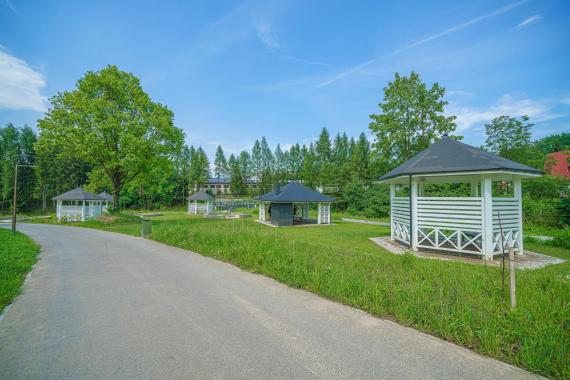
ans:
(459, 302)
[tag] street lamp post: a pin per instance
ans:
(16, 193)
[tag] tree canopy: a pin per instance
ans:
(412, 117)
(109, 122)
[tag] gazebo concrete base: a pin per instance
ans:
(530, 260)
(312, 224)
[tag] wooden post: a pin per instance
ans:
(512, 275)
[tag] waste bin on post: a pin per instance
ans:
(146, 228)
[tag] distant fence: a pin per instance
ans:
(231, 204)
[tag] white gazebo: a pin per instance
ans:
(78, 205)
(200, 203)
(477, 224)
(107, 200)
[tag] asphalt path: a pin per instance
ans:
(104, 305)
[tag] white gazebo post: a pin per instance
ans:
(196, 207)
(392, 195)
(83, 211)
(58, 210)
(517, 192)
(414, 214)
(262, 212)
(487, 220)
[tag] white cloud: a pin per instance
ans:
(266, 33)
(423, 41)
(566, 100)
(531, 20)
(20, 85)
(538, 111)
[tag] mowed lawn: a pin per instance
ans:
(17, 255)
(459, 302)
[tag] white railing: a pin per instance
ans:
(400, 209)
(506, 219)
(450, 223)
(71, 213)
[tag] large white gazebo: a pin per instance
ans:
(78, 205)
(200, 203)
(477, 224)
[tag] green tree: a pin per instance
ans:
(245, 163)
(236, 177)
(256, 159)
(111, 123)
(199, 168)
(412, 118)
(220, 163)
(509, 137)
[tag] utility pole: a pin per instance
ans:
(16, 194)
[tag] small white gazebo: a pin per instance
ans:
(78, 205)
(477, 224)
(200, 203)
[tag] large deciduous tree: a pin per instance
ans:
(110, 122)
(509, 137)
(412, 118)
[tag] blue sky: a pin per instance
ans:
(233, 71)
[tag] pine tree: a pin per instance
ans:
(220, 163)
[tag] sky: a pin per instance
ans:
(233, 71)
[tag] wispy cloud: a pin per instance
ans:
(10, 5)
(308, 61)
(539, 110)
(425, 40)
(21, 85)
(529, 21)
(266, 33)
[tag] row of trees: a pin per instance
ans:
(109, 135)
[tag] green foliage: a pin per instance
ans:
(16, 147)
(221, 169)
(412, 118)
(17, 256)
(553, 143)
(509, 137)
(111, 123)
(199, 167)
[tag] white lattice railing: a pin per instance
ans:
(450, 223)
(506, 218)
(400, 209)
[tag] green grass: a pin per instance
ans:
(17, 255)
(459, 302)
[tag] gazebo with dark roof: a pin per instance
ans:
(289, 204)
(482, 224)
(200, 203)
(78, 205)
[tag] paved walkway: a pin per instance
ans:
(103, 305)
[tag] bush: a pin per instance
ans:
(541, 212)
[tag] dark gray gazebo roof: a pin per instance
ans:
(451, 156)
(106, 196)
(295, 192)
(78, 194)
(200, 196)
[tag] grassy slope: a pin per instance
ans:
(462, 303)
(17, 255)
